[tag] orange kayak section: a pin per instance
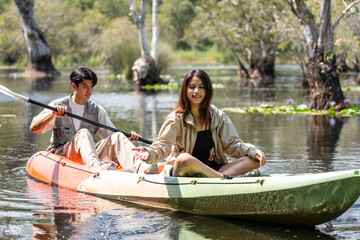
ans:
(60, 171)
(57, 170)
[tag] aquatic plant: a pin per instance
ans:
(351, 88)
(174, 84)
(354, 110)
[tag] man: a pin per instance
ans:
(74, 139)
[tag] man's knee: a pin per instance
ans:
(118, 135)
(84, 132)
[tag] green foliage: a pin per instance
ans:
(82, 4)
(174, 17)
(239, 26)
(165, 56)
(12, 44)
(122, 58)
(4, 5)
(112, 8)
(206, 55)
(57, 20)
(120, 46)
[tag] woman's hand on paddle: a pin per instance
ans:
(141, 154)
(61, 111)
(134, 136)
(260, 156)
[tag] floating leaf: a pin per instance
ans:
(354, 110)
(8, 115)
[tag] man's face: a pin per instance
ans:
(84, 90)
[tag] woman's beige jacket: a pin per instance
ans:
(177, 137)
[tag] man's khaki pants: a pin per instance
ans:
(116, 148)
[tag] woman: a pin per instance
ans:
(196, 136)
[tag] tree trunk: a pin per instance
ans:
(38, 49)
(145, 71)
(356, 64)
(145, 68)
(261, 68)
(324, 84)
(357, 80)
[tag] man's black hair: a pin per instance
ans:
(82, 73)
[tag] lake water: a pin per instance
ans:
(292, 144)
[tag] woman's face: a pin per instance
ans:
(196, 91)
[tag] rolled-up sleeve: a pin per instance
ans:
(45, 112)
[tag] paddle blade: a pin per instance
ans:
(10, 93)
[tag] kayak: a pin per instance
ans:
(298, 199)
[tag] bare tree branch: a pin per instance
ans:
(155, 30)
(307, 21)
(140, 22)
(348, 7)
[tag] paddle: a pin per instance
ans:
(17, 96)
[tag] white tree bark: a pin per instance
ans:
(141, 26)
(38, 49)
(326, 31)
(155, 30)
(308, 23)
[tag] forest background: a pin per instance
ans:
(102, 33)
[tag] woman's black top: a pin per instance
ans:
(204, 143)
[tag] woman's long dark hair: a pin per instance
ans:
(183, 105)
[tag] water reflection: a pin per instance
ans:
(72, 215)
(322, 140)
(147, 103)
(40, 83)
(265, 82)
(64, 210)
(219, 228)
(61, 229)
(36, 84)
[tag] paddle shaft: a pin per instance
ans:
(88, 120)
